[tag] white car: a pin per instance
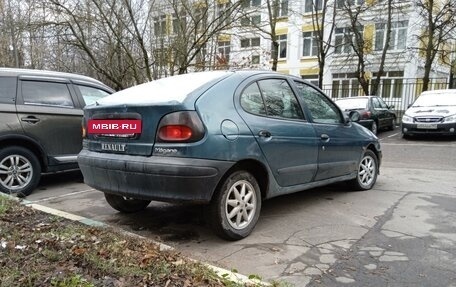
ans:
(434, 112)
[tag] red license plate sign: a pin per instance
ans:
(114, 126)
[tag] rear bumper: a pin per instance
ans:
(153, 178)
(442, 129)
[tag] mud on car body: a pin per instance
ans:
(226, 139)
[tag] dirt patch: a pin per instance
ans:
(37, 249)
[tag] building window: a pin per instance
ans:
(309, 44)
(392, 84)
(250, 3)
(283, 9)
(255, 59)
(344, 39)
(250, 42)
(345, 85)
(313, 79)
(348, 3)
(313, 5)
(223, 11)
(251, 20)
(282, 39)
(179, 23)
(200, 19)
(201, 56)
(224, 49)
(160, 25)
(398, 37)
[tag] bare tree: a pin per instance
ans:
(439, 25)
(108, 35)
(384, 50)
(266, 25)
(194, 26)
(323, 15)
(12, 23)
(361, 47)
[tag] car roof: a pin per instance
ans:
(45, 73)
(357, 97)
(182, 87)
(440, 92)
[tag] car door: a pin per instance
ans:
(381, 112)
(338, 155)
(287, 140)
(51, 115)
(387, 114)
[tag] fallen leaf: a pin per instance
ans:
(78, 251)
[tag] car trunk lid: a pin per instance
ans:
(124, 129)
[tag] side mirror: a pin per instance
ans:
(391, 107)
(354, 116)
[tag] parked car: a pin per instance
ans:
(375, 113)
(433, 112)
(227, 139)
(40, 124)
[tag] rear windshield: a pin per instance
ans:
(435, 100)
(172, 89)
(352, 104)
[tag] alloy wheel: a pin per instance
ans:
(367, 170)
(16, 172)
(240, 204)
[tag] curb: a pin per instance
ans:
(222, 273)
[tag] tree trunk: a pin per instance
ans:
(275, 55)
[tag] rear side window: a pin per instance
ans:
(7, 90)
(90, 94)
(46, 93)
(252, 101)
(273, 98)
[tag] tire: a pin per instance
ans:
(231, 214)
(20, 171)
(367, 172)
(393, 124)
(374, 128)
(125, 204)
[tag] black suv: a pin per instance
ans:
(40, 124)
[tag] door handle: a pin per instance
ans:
(30, 119)
(264, 134)
(324, 137)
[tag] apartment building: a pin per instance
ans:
(248, 44)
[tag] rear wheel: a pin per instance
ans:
(235, 208)
(126, 204)
(393, 124)
(374, 128)
(367, 172)
(20, 171)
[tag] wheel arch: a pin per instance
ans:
(374, 149)
(28, 143)
(256, 168)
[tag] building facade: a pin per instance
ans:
(247, 43)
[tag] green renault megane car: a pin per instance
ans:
(227, 139)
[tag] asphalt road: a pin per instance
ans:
(400, 233)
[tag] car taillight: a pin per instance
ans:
(184, 126)
(366, 115)
(175, 133)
